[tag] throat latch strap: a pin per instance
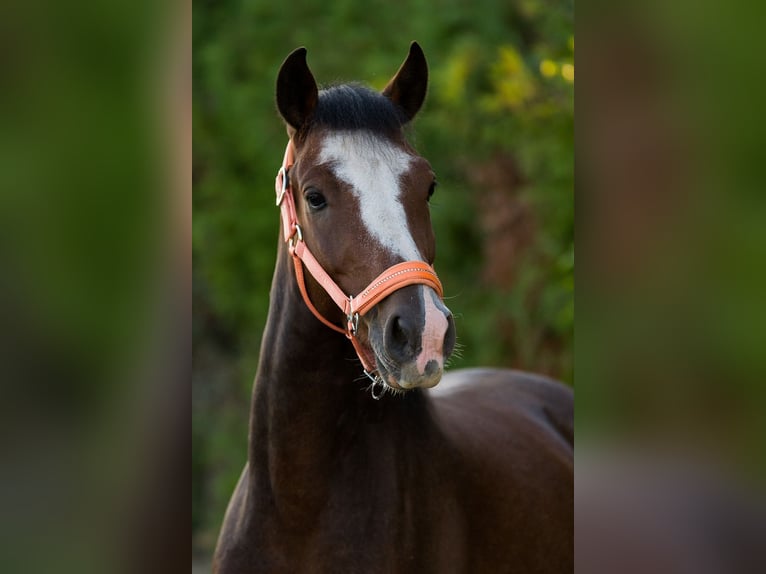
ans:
(392, 279)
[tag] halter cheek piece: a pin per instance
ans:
(392, 279)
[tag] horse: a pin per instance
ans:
(357, 461)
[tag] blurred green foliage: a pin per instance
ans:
(497, 127)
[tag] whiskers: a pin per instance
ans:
(456, 356)
(387, 389)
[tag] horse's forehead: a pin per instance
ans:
(366, 150)
(374, 167)
(366, 161)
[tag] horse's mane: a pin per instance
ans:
(357, 107)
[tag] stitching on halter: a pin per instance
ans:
(387, 278)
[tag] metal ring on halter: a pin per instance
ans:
(298, 233)
(378, 381)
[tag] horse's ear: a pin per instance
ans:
(297, 92)
(407, 88)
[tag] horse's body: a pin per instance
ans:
(472, 476)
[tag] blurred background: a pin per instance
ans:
(671, 289)
(498, 128)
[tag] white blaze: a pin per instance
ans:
(373, 168)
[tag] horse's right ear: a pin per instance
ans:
(297, 92)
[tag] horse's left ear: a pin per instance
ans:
(407, 88)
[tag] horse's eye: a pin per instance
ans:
(431, 189)
(315, 199)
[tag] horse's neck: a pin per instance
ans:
(309, 409)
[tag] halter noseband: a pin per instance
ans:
(392, 279)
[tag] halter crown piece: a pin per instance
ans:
(353, 307)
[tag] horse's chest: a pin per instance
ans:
(371, 533)
(374, 532)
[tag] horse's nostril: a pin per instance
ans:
(399, 340)
(432, 367)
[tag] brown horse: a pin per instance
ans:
(472, 476)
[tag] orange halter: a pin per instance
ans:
(392, 279)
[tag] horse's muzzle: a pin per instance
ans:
(412, 334)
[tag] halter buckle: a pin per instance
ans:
(353, 323)
(282, 173)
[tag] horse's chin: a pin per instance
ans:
(420, 383)
(407, 377)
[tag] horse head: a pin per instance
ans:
(361, 195)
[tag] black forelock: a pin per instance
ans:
(356, 107)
